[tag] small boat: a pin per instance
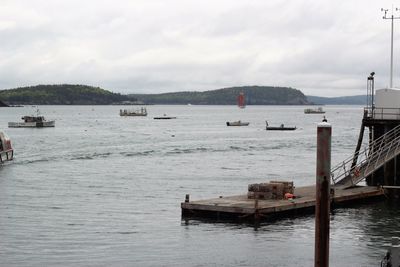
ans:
(241, 100)
(237, 123)
(279, 128)
(314, 111)
(126, 112)
(6, 151)
(164, 117)
(32, 122)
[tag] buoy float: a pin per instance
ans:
(289, 196)
(356, 172)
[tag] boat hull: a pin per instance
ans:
(314, 112)
(6, 155)
(281, 128)
(164, 118)
(133, 115)
(235, 123)
(37, 124)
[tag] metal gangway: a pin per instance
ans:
(367, 160)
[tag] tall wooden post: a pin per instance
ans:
(322, 206)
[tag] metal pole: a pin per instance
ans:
(322, 206)
(391, 57)
(373, 93)
(391, 39)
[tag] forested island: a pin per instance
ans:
(66, 94)
(61, 94)
(341, 100)
(254, 95)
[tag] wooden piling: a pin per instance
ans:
(322, 205)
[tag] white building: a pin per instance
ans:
(387, 104)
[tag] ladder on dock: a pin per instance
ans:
(366, 161)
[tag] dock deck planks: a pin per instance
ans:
(240, 205)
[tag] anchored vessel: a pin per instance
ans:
(241, 100)
(32, 122)
(314, 111)
(282, 127)
(237, 123)
(126, 112)
(164, 117)
(6, 151)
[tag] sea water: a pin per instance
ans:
(104, 190)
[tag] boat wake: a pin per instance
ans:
(162, 151)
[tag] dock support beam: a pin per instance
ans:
(322, 205)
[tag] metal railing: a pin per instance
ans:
(382, 113)
(370, 158)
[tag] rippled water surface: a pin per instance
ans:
(104, 190)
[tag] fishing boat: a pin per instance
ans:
(37, 121)
(237, 123)
(139, 112)
(6, 151)
(164, 117)
(314, 111)
(282, 127)
(241, 100)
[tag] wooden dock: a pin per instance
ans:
(240, 207)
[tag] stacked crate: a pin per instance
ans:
(287, 186)
(271, 190)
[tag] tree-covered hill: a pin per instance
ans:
(341, 100)
(66, 94)
(254, 95)
(62, 94)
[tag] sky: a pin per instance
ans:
(323, 48)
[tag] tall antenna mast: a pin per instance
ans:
(391, 47)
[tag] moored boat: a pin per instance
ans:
(282, 127)
(6, 150)
(32, 122)
(314, 111)
(164, 117)
(237, 123)
(126, 112)
(241, 100)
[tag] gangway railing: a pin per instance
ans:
(373, 156)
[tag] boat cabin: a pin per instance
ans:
(33, 118)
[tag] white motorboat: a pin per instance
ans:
(126, 112)
(32, 122)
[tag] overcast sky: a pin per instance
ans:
(324, 47)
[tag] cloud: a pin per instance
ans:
(320, 47)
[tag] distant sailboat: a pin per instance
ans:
(241, 100)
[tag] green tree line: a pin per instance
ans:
(254, 95)
(62, 94)
(66, 94)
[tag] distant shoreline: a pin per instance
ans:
(67, 94)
